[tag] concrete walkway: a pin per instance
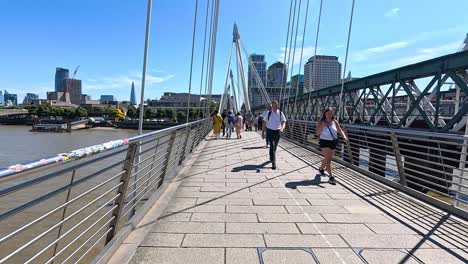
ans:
(229, 206)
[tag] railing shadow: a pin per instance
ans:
(430, 223)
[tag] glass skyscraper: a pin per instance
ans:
(277, 75)
(10, 97)
(132, 95)
(60, 75)
(261, 67)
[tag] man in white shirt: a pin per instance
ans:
(274, 122)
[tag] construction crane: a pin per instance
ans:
(464, 44)
(74, 73)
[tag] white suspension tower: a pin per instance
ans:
(236, 41)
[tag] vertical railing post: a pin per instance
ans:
(64, 212)
(152, 164)
(187, 131)
(305, 133)
(124, 179)
(348, 147)
(399, 163)
(168, 157)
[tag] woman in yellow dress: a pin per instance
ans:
(217, 122)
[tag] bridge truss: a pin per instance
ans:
(410, 96)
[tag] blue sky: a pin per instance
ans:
(106, 38)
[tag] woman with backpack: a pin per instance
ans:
(229, 124)
(327, 130)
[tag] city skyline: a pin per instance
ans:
(110, 61)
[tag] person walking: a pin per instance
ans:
(255, 122)
(217, 123)
(274, 123)
(264, 114)
(229, 124)
(239, 125)
(327, 130)
(260, 121)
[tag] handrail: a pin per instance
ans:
(83, 152)
(413, 161)
(399, 130)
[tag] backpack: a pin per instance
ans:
(230, 119)
(269, 114)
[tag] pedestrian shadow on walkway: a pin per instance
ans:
(255, 167)
(262, 147)
(316, 181)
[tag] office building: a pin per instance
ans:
(2, 102)
(107, 98)
(258, 99)
(297, 83)
(276, 76)
(30, 98)
(260, 65)
(73, 87)
(327, 72)
(178, 101)
(62, 97)
(13, 98)
(60, 75)
(132, 95)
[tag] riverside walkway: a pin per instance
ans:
(228, 206)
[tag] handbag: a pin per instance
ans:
(336, 140)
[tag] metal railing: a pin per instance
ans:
(66, 208)
(428, 165)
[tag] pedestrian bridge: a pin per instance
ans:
(189, 198)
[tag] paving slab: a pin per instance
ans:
(286, 256)
(386, 256)
(162, 240)
(330, 241)
(260, 209)
(290, 218)
(223, 217)
(188, 228)
(262, 228)
(386, 241)
(151, 255)
(336, 255)
(356, 218)
(325, 228)
(242, 256)
(223, 240)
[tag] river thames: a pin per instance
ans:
(18, 144)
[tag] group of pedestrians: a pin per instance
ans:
(272, 123)
(227, 123)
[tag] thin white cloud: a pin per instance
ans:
(339, 46)
(307, 53)
(123, 81)
(363, 55)
(392, 12)
(423, 54)
(418, 55)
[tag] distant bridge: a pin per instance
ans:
(10, 112)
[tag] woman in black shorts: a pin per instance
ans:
(328, 129)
